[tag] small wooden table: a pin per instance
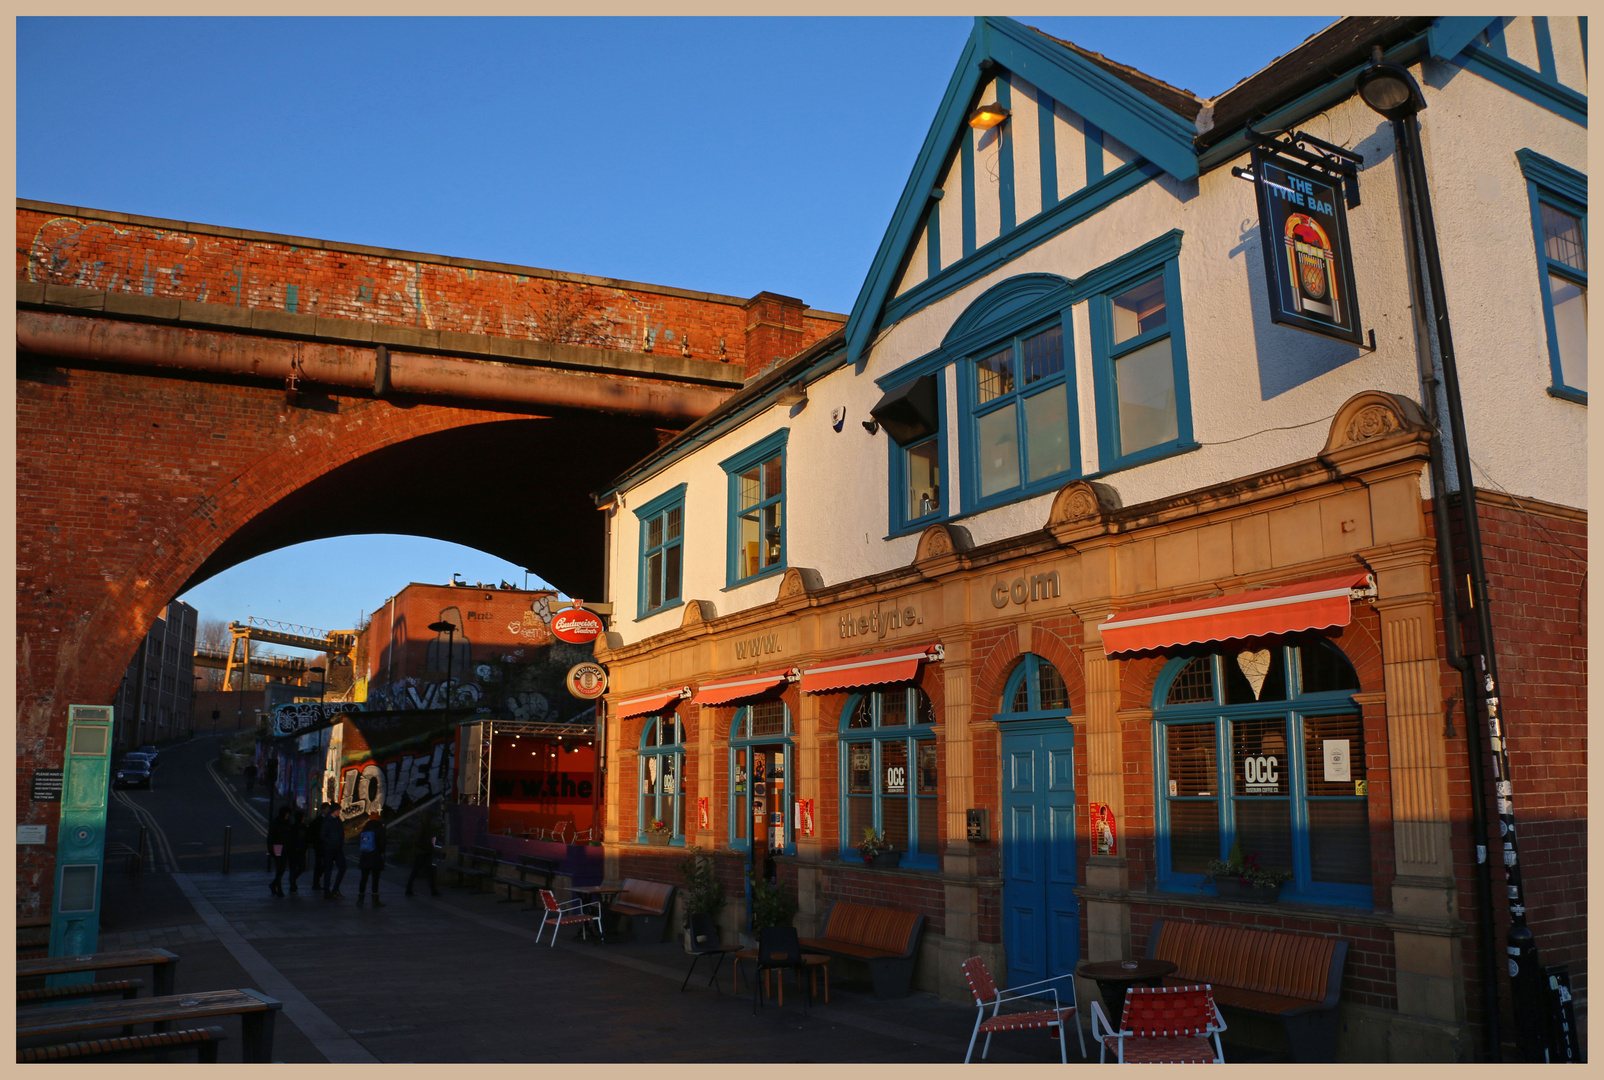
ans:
(163, 966)
(256, 1013)
(1114, 977)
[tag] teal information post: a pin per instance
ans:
(81, 840)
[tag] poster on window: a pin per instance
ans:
(897, 779)
(805, 813)
(1335, 752)
(701, 810)
(1104, 841)
(1308, 265)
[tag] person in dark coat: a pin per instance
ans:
(370, 857)
(332, 838)
(312, 839)
(425, 847)
(249, 773)
(278, 846)
(297, 847)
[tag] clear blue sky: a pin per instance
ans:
(726, 155)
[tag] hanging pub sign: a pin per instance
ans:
(1307, 262)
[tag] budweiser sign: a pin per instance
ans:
(576, 626)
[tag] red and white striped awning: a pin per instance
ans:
(898, 665)
(650, 703)
(743, 686)
(1312, 605)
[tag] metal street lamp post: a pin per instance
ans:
(1391, 91)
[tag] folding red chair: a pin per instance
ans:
(984, 988)
(560, 915)
(1163, 1025)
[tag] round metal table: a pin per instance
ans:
(1114, 977)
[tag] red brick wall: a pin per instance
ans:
(119, 253)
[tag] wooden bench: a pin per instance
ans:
(477, 864)
(885, 939)
(529, 874)
(647, 903)
(163, 965)
(127, 988)
(204, 1040)
(256, 1012)
(1293, 978)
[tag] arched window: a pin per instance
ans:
(1035, 688)
(888, 773)
(662, 775)
(761, 771)
(1266, 747)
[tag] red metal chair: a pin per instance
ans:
(1163, 1025)
(984, 988)
(560, 915)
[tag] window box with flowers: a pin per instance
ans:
(1240, 877)
(658, 833)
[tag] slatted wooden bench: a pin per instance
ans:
(529, 874)
(647, 904)
(204, 1040)
(163, 965)
(255, 1010)
(1293, 978)
(885, 939)
(125, 988)
(476, 864)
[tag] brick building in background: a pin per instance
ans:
(154, 701)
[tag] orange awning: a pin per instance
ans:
(1313, 605)
(727, 690)
(650, 703)
(898, 665)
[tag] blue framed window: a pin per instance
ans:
(662, 776)
(1139, 352)
(1035, 691)
(662, 552)
(889, 773)
(757, 510)
(916, 430)
(760, 752)
(1265, 747)
(1019, 419)
(1558, 197)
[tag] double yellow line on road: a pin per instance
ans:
(161, 850)
(252, 818)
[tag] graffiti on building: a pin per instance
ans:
(412, 693)
(527, 705)
(304, 715)
(393, 761)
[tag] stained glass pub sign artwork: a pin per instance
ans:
(1308, 264)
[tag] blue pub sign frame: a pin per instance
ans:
(1308, 264)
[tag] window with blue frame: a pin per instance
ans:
(760, 749)
(757, 510)
(889, 773)
(1019, 427)
(1558, 196)
(1265, 747)
(1144, 408)
(1035, 687)
(662, 551)
(913, 415)
(662, 776)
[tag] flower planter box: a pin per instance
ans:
(1232, 889)
(887, 860)
(658, 839)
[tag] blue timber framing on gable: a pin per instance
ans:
(1163, 138)
(1456, 39)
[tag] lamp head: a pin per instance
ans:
(988, 116)
(443, 627)
(1388, 88)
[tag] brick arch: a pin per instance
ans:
(1005, 655)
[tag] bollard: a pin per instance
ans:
(228, 842)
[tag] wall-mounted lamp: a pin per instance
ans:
(988, 116)
(871, 426)
(1389, 89)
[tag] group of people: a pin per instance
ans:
(292, 835)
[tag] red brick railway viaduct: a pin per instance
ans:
(190, 396)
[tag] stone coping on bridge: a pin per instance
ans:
(195, 315)
(393, 253)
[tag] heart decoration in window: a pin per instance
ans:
(1255, 666)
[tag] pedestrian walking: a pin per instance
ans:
(297, 847)
(278, 846)
(425, 846)
(332, 838)
(249, 772)
(370, 857)
(312, 838)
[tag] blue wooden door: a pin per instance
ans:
(1041, 916)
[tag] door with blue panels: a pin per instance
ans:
(1041, 915)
